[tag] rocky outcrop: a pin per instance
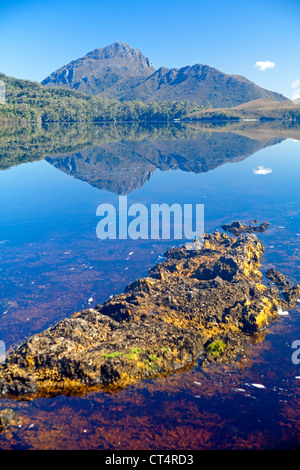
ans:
(196, 305)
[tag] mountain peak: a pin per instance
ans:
(102, 68)
(120, 50)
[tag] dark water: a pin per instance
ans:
(52, 264)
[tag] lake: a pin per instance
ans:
(52, 179)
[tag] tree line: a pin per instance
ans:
(31, 101)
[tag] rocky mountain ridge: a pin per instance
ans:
(121, 72)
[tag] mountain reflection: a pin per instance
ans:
(125, 165)
(121, 157)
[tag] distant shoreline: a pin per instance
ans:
(181, 121)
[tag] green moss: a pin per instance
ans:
(154, 358)
(216, 348)
(134, 353)
(137, 350)
(114, 354)
(131, 355)
(151, 361)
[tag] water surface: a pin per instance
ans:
(52, 264)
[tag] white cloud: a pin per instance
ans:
(296, 96)
(261, 170)
(264, 65)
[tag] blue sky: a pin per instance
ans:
(37, 37)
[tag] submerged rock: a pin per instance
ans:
(236, 228)
(197, 304)
(279, 279)
(7, 416)
(290, 293)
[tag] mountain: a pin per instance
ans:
(117, 65)
(120, 72)
(200, 84)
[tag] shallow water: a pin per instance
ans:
(53, 264)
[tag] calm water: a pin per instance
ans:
(53, 264)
